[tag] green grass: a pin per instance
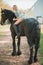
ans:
(41, 49)
(41, 61)
(41, 44)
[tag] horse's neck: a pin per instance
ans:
(11, 21)
(10, 16)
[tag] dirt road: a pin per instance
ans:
(6, 49)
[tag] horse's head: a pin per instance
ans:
(7, 14)
(3, 16)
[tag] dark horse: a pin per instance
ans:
(29, 28)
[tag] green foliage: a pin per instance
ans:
(41, 49)
(41, 44)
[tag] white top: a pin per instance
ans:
(22, 15)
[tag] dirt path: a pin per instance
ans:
(6, 50)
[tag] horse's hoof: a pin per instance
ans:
(13, 54)
(35, 60)
(19, 53)
(30, 62)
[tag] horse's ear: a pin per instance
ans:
(1, 9)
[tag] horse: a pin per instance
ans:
(28, 27)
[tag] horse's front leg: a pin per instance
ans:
(18, 44)
(14, 47)
(13, 41)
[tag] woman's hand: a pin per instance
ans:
(15, 19)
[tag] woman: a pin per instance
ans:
(18, 19)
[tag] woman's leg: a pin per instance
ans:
(16, 26)
(19, 21)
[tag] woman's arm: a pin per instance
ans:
(17, 19)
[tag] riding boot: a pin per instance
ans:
(16, 28)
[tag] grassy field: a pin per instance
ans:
(41, 44)
(41, 49)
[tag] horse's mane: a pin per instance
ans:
(9, 12)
